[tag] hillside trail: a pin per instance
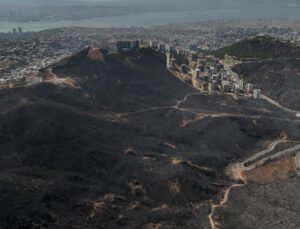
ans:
(265, 151)
(175, 107)
(185, 98)
(236, 172)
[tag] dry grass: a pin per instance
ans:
(170, 145)
(189, 121)
(175, 161)
(95, 54)
(137, 190)
(174, 187)
(152, 226)
(254, 122)
(284, 136)
(129, 151)
(135, 205)
(98, 208)
(235, 172)
(67, 81)
(160, 207)
(272, 171)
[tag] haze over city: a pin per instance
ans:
(149, 114)
(36, 15)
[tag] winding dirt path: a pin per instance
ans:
(213, 223)
(275, 103)
(237, 174)
(175, 107)
(186, 98)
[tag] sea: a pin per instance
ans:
(160, 18)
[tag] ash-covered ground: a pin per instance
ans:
(116, 141)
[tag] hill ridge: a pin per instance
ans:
(261, 47)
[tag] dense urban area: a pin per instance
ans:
(23, 54)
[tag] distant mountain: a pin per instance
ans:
(260, 47)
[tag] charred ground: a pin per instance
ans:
(279, 79)
(270, 198)
(112, 141)
(260, 47)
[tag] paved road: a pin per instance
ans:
(269, 149)
(264, 152)
(269, 59)
(240, 167)
(235, 77)
(273, 102)
(297, 163)
(186, 98)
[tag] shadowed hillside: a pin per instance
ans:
(260, 47)
(123, 82)
(116, 141)
(279, 79)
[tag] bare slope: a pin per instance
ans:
(124, 82)
(279, 79)
(103, 145)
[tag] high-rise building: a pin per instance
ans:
(113, 46)
(168, 60)
(225, 86)
(14, 30)
(249, 88)
(159, 46)
(173, 63)
(185, 69)
(241, 84)
(197, 73)
(126, 45)
(256, 93)
(135, 44)
(168, 48)
(20, 30)
(123, 45)
(151, 44)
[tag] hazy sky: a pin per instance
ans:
(221, 2)
(173, 4)
(125, 13)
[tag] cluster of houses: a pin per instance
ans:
(215, 77)
(119, 45)
(207, 70)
